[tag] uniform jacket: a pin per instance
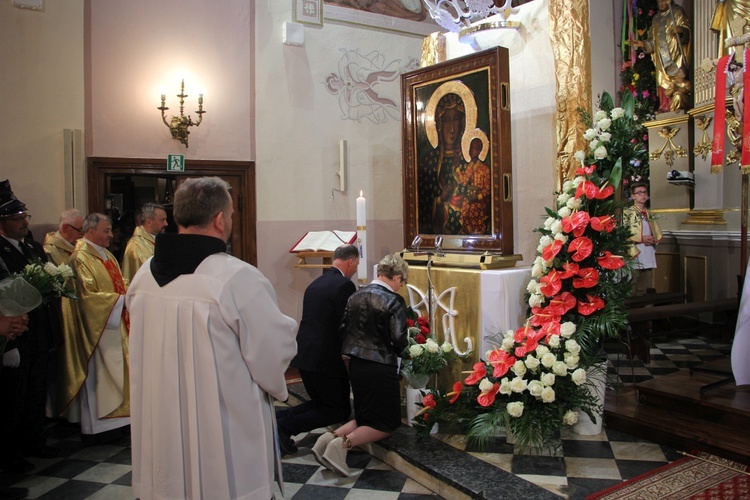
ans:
(634, 219)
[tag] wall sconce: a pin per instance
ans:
(180, 124)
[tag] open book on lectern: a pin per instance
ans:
(324, 241)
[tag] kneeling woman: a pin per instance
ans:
(374, 336)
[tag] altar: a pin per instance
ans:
(469, 307)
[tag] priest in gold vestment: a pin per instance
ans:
(95, 362)
(140, 247)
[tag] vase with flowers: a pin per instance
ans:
(536, 378)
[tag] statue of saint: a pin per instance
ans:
(669, 46)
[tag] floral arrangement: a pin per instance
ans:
(424, 356)
(51, 280)
(535, 380)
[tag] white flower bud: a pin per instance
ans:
(590, 134)
(579, 156)
(571, 360)
(515, 409)
(553, 341)
(570, 417)
(604, 124)
(505, 386)
(617, 113)
(599, 116)
(600, 152)
(446, 347)
(579, 376)
(415, 350)
(541, 350)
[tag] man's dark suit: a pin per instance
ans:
(319, 356)
(23, 390)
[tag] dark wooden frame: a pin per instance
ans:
(245, 217)
(493, 112)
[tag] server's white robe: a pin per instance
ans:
(206, 350)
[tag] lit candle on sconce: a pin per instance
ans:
(362, 238)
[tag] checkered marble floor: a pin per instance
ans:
(583, 464)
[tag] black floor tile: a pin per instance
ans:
(634, 468)
(125, 480)
(380, 480)
(544, 466)
(67, 469)
(579, 488)
(122, 457)
(615, 435)
(587, 449)
(298, 473)
(73, 490)
(357, 459)
(311, 492)
(416, 496)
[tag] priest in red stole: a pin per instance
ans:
(95, 361)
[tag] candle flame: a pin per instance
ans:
(360, 192)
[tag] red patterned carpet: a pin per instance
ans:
(705, 477)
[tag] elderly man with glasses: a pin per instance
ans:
(59, 245)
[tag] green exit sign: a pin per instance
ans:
(175, 163)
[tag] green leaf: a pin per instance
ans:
(606, 103)
(628, 103)
(616, 175)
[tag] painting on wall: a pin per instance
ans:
(457, 159)
(405, 16)
(411, 10)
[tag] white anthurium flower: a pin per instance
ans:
(600, 152)
(485, 385)
(518, 385)
(567, 329)
(505, 386)
(599, 116)
(617, 113)
(531, 362)
(589, 135)
(415, 350)
(579, 156)
(548, 379)
(570, 417)
(515, 409)
(548, 360)
(559, 368)
(579, 376)
(541, 350)
(548, 395)
(604, 124)
(563, 212)
(572, 346)
(519, 368)
(535, 388)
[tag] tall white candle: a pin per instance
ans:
(362, 238)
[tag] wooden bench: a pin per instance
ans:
(655, 299)
(640, 319)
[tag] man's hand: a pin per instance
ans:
(649, 241)
(13, 326)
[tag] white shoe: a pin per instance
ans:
(320, 447)
(335, 455)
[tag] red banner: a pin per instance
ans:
(717, 146)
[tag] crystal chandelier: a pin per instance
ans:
(457, 15)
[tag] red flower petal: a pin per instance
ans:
(588, 189)
(606, 224)
(609, 261)
(590, 306)
(580, 248)
(486, 398)
(480, 370)
(605, 193)
(551, 250)
(456, 392)
(569, 269)
(502, 361)
(587, 277)
(550, 284)
(428, 401)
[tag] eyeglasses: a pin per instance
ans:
(640, 192)
(403, 280)
(76, 228)
(18, 218)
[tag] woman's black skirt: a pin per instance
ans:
(377, 398)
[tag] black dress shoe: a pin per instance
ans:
(12, 493)
(18, 467)
(286, 444)
(45, 452)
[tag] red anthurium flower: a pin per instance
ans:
(569, 269)
(428, 401)
(502, 361)
(550, 329)
(582, 170)
(420, 339)
(605, 193)
(551, 250)
(590, 306)
(550, 284)
(455, 393)
(588, 189)
(587, 277)
(540, 316)
(526, 347)
(576, 223)
(560, 304)
(480, 370)
(609, 261)
(409, 323)
(486, 398)
(580, 248)
(606, 224)
(523, 332)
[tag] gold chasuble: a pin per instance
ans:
(139, 249)
(99, 285)
(57, 248)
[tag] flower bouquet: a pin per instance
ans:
(423, 357)
(535, 380)
(52, 281)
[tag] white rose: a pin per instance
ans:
(579, 156)
(518, 384)
(560, 368)
(508, 344)
(570, 417)
(65, 270)
(531, 362)
(51, 269)
(548, 360)
(515, 409)
(617, 113)
(567, 329)
(572, 346)
(548, 395)
(446, 347)
(541, 350)
(545, 241)
(535, 300)
(519, 368)
(605, 136)
(556, 226)
(600, 152)
(509, 334)
(561, 237)
(594, 144)
(578, 180)
(431, 346)
(590, 134)
(563, 212)
(537, 271)
(579, 376)
(553, 341)
(573, 203)
(604, 124)
(571, 360)
(548, 379)
(548, 222)
(569, 185)
(487, 353)
(599, 116)
(415, 351)
(485, 385)
(533, 286)
(505, 386)
(535, 388)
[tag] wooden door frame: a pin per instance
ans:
(99, 167)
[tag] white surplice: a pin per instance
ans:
(206, 350)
